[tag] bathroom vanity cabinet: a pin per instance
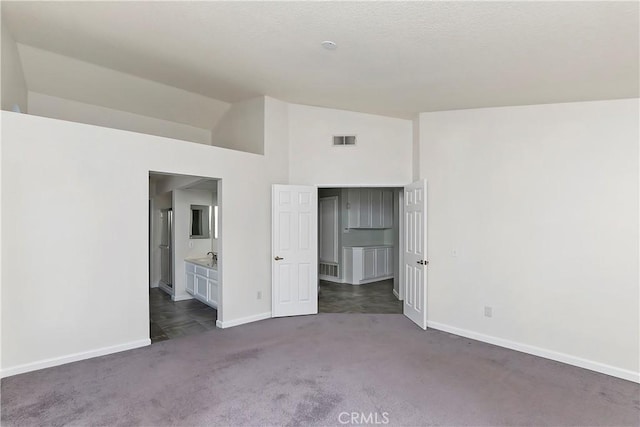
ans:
(202, 281)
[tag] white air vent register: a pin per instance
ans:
(342, 140)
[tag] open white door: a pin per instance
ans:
(294, 258)
(415, 253)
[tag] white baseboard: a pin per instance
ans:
(395, 294)
(541, 352)
(377, 279)
(56, 361)
(329, 279)
(182, 297)
(165, 288)
(243, 320)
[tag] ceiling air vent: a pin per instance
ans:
(342, 140)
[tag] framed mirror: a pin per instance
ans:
(200, 227)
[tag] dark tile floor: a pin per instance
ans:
(170, 319)
(376, 297)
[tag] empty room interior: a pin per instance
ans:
(320, 213)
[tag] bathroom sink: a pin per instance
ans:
(205, 262)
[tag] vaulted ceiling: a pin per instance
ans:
(393, 58)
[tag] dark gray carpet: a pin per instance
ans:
(309, 370)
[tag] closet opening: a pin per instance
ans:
(358, 250)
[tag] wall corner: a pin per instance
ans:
(415, 156)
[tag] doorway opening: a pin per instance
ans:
(184, 255)
(359, 255)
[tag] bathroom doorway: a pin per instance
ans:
(184, 255)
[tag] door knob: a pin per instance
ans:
(278, 258)
(421, 262)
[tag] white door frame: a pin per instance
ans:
(336, 211)
(401, 244)
(336, 237)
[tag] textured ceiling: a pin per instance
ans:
(393, 58)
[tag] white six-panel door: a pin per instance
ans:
(294, 257)
(415, 253)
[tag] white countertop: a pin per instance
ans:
(203, 262)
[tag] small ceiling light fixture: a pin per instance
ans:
(329, 45)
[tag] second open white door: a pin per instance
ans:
(294, 257)
(415, 253)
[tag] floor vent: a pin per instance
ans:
(330, 270)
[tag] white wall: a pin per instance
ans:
(415, 148)
(166, 183)
(64, 77)
(541, 204)
(276, 138)
(74, 111)
(14, 87)
(96, 199)
(242, 127)
(382, 156)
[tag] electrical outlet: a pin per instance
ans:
(259, 294)
(488, 312)
(454, 252)
(191, 244)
